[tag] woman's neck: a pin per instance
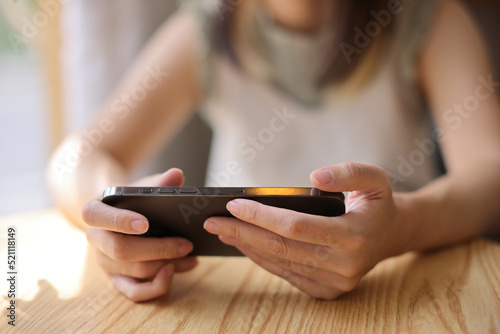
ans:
(300, 15)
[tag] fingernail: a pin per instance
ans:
(139, 226)
(185, 248)
(323, 176)
(234, 207)
(211, 226)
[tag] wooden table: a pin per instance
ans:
(62, 290)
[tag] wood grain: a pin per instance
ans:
(62, 290)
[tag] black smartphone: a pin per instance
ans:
(181, 211)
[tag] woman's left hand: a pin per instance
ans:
(322, 256)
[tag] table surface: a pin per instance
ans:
(61, 289)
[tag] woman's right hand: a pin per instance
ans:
(141, 268)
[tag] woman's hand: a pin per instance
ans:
(141, 268)
(322, 256)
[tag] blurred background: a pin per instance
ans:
(58, 62)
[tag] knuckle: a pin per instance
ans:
(353, 269)
(333, 236)
(383, 179)
(286, 264)
(278, 246)
(134, 295)
(294, 226)
(235, 231)
(350, 284)
(353, 170)
(166, 250)
(252, 212)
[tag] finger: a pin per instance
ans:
(321, 263)
(97, 214)
(173, 177)
(139, 291)
(184, 264)
(128, 248)
(311, 267)
(351, 176)
(305, 284)
(142, 269)
(253, 237)
(288, 223)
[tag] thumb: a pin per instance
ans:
(171, 178)
(351, 176)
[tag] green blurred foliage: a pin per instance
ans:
(5, 28)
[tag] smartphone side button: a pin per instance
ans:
(146, 191)
(166, 191)
(131, 190)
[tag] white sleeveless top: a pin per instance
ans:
(263, 137)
